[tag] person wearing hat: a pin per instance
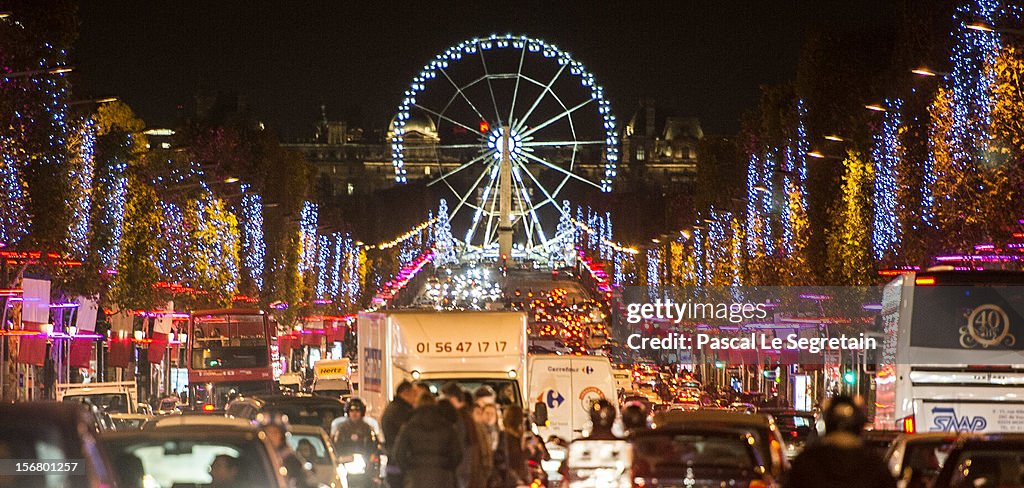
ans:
(839, 458)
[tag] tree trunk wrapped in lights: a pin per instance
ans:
(849, 235)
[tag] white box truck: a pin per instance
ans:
(565, 386)
(469, 347)
(331, 377)
(112, 397)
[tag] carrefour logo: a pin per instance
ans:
(945, 419)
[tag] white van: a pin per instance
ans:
(564, 387)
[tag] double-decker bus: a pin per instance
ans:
(952, 357)
(229, 355)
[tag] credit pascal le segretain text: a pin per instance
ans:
(813, 345)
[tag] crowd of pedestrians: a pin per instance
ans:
(457, 439)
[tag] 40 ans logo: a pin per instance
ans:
(987, 326)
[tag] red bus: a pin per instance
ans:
(229, 355)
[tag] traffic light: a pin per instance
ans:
(850, 377)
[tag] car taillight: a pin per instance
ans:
(924, 281)
(757, 484)
(907, 425)
(208, 407)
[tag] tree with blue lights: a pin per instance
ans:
(444, 247)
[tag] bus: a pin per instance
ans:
(952, 356)
(229, 355)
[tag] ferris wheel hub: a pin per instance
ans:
(496, 141)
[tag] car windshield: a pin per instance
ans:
(129, 424)
(507, 390)
(309, 447)
(983, 467)
(171, 462)
(655, 454)
(315, 414)
(109, 402)
(927, 455)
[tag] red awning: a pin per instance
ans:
(32, 350)
(81, 353)
(119, 354)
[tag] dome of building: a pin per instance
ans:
(417, 127)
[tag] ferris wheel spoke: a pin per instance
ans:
(560, 169)
(560, 143)
(463, 198)
(529, 208)
(465, 165)
(462, 94)
(519, 76)
(556, 118)
(490, 86)
(547, 195)
(449, 119)
(479, 211)
(547, 88)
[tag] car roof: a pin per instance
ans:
(306, 429)
(134, 416)
(670, 418)
(294, 400)
(989, 439)
(160, 435)
(199, 422)
(927, 436)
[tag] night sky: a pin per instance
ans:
(704, 58)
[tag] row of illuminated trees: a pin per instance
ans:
(860, 168)
(211, 214)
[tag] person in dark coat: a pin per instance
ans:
(428, 450)
(510, 458)
(839, 459)
(394, 417)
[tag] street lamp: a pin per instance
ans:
(94, 101)
(875, 107)
(833, 138)
(4, 15)
(816, 154)
(46, 71)
(983, 26)
(925, 71)
(231, 179)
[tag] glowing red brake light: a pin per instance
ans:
(907, 424)
(208, 407)
(924, 281)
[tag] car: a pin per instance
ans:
(314, 446)
(129, 421)
(183, 458)
(169, 406)
(53, 431)
(198, 422)
(761, 426)
(878, 441)
(795, 426)
(915, 459)
(301, 409)
(991, 460)
(694, 455)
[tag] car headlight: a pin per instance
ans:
(356, 466)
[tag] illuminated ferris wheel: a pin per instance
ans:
(508, 126)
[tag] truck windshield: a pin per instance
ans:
(507, 390)
(108, 402)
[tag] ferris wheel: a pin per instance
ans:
(482, 95)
